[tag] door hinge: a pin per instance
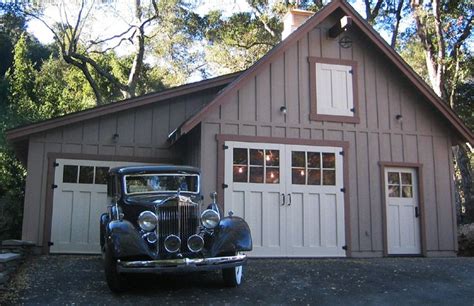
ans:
(225, 186)
(225, 147)
(55, 164)
(351, 71)
(53, 186)
(341, 153)
(50, 243)
(344, 247)
(353, 110)
(343, 189)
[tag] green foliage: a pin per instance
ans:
(237, 42)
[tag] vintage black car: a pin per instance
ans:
(155, 223)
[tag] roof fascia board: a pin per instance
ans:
(24, 131)
(319, 16)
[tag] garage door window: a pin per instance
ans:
(256, 166)
(70, 174)
(307, 168)
(85, 174)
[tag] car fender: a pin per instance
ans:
(124, 240)
(230, 236)
(104, 219)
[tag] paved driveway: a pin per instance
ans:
(79, 279)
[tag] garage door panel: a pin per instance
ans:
(254, 215)
(80, 214)
(63, 216)
(330, 216)
(312, 220)
(99, 206)
(296, 213)
(238, 201)
(271, 220)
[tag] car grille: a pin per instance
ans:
(180, 217)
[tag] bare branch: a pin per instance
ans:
(465, 33)
(100, 41)
(398, 17)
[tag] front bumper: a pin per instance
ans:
(181, 264)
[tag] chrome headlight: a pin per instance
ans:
(210, 218)
(147, 221)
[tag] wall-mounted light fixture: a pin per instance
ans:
(115, 138)
(399, 118)
(283, 110)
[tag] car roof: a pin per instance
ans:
(154, 169)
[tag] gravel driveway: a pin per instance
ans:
(67, 279)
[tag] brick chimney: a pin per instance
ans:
(293, 19)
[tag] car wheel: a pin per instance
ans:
(233, 276)
(116, 281)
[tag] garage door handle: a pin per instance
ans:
(282, 199)
(289, 199)
(417, 212)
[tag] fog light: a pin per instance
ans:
(172, 243)
(150, 237)
(195, 243)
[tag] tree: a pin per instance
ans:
(80, 50)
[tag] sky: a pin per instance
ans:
(109, 22)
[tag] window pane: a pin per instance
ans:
(329, 177)
(297, 159)
(394, 191)
(393, 178)
(256, 175)
(329, 160)
(272, 157)
(314, 177)
(273, 175)
(86, 175)
(407, 192)
(101, 175)
(314, 160)
(298, 176)
(240, 174)
(406, 178)
(256, 157)
(70, 174)
(240, 156)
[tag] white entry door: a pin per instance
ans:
(78, 201)
(402, 208)
(290, 195)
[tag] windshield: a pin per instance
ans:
(152, 183)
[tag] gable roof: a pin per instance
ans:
(312, 22)
(18, 137)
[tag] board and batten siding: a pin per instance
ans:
(422, 137)
(143, 134)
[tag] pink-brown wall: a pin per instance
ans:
(422, 137)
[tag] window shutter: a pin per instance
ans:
(334, 92)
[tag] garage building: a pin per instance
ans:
(329, 146)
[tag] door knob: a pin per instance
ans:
(289, 199)
(282, 199)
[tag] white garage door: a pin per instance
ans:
(290, 195)
(78, 201)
